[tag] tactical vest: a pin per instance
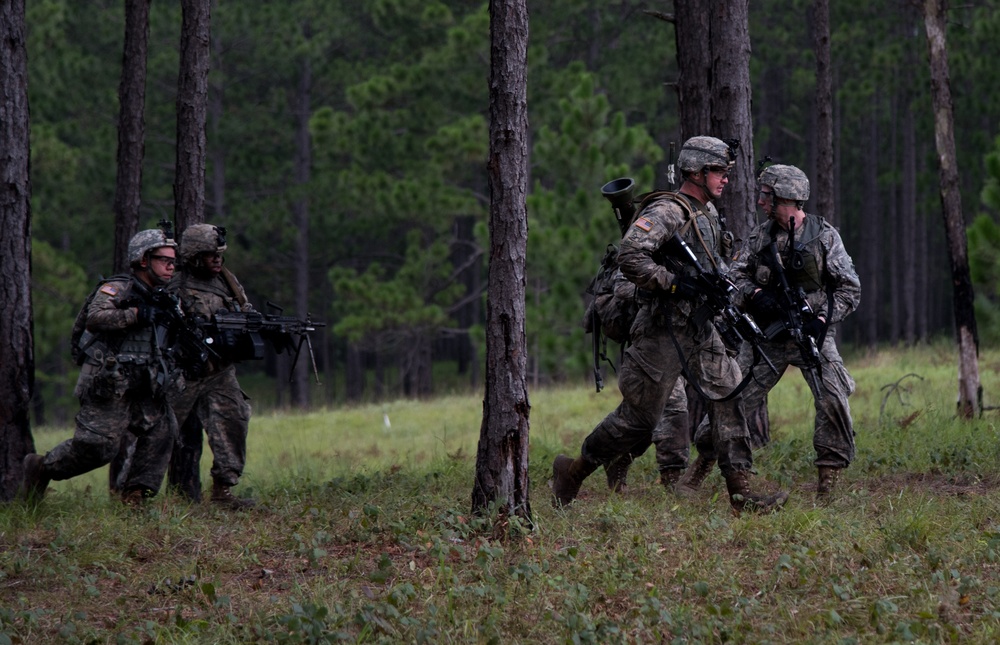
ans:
(701, 232)
(802, 268)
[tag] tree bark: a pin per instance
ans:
(713, 58)
(823, 194)
(502, 455)
(17, 359)
(131, 129)
(731, 117)
(970, 392)
(128, 186)
(694, 64)
(189, 192)
(192, 114)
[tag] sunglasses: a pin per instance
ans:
(166, 259)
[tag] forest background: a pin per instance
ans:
(397, 103)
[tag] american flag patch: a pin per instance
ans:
(644, 224)
(110, 289)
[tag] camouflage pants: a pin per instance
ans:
(224, 412)
(833, 434)
(100, 425)
(647, 380)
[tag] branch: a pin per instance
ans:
(894, 388)
(666, 17)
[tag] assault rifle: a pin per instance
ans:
(240, 335)
(176, 337)
(795, 310)
(733, 325)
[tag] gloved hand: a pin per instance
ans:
(685, 287)
(814, 327)
(144, 314)
(765, 304)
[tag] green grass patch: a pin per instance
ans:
(364, 534)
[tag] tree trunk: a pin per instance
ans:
(192, 114)
(909, 225)
(354, 374)
(128, 186)
(730, 115)
(299, 390)
(970, 392)
(823, 195)
(713, 58)
(694, 64)
(189, 193)
(502, 455)
(131, 129)
(894, 256)
(17, 358)
(871, 248)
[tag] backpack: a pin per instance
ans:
(77, 349)
(609, 314)
(611, 311)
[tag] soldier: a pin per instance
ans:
(124, 380)
(667, 334)
(818, 268)
(204, 287)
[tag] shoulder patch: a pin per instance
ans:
(109, 289)
(644, 223)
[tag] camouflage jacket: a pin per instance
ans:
(644, 258)
(118, 353)
(819, 265)
(205, 297)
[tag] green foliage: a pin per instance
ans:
(384, 312)
(395, 96)
(571, 223)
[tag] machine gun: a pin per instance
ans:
(240, 335)
(733, 325)
(795, 310)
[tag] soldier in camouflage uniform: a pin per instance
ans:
(821, 267)
(666, 334)
(204, 286)
(124, 381)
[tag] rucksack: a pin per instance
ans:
(613, 305)
(77, 350)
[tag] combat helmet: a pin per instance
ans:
(145, 241)
(705, 152)
(202, 238)
(788, 182)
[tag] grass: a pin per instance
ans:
(364, 535)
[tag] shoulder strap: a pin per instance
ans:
(238, 293)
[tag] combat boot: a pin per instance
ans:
(617, 473)
(669, 478)
(691, 480)
(567, 477)
(827, 482)
(36, 478)
(223, 495)
(742, 498)
(136, 497)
